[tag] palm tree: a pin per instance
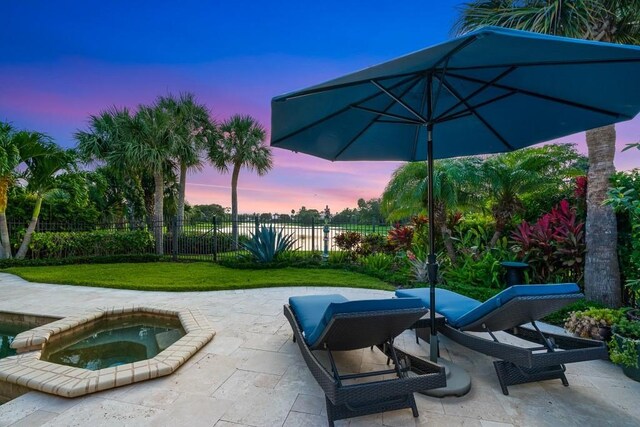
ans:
(241, 144)
(9, 160)
(15, 148)
(45, 173)
(139, 143)
(616, 21)
(196, 128)
(406, 193)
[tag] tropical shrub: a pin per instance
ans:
(478, 264)
(480, 269)
(266, 244)
(339, 257)
(625, 199)
(377, 262)
(554, 245)
(349, 241)
(419, 267)
(90, 243)
(374, 243)
(400, 237)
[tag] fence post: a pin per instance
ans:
(174, 238)
(215, 240)
(313, 234)
(257, 221)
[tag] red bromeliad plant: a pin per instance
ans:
(554, 245)
(400, 237)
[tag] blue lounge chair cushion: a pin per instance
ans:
(314, 312)
(460, 310)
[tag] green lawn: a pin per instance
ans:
(197, 276)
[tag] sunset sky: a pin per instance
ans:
(62, 61)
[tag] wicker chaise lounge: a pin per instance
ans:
(508, 311)
(332, 323)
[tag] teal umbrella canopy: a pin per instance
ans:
(489, 91)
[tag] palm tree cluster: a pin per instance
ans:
(140, 160)
(152, 149)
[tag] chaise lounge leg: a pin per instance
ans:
(330, 412)
(511, 374)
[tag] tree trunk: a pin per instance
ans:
(158, 211)
(234, 205)
(181, 193)
(5, 245)
(448, 244)
(601, 271)
(24, 246)
(494, 239)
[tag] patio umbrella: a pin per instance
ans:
(489, 91)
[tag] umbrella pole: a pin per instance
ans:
(458, 380)
(432, 265)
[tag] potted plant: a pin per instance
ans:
(594, 323)
(634, 287)
(624, 348)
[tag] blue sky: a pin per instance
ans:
(65, 60)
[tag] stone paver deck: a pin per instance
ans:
(252, 374)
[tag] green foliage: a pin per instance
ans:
(624, 197)
(482, 269)
(377, 262)
(298, 258)
(267, 244)
(374, 243)
(623, 348)
(339, 257)
(90, 243)
(477, 264)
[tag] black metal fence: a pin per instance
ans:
(212, 240)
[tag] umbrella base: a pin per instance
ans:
(458, 381)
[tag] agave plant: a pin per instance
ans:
(266, 244)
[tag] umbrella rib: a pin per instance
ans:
(547, 63)
(399, 101)
(384, 113)
(423, 104)
(543, 96)
(342, 110)
(442, 118)
(477, 91)
(359, 134)
(475, 113)
(398, 122)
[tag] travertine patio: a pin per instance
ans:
(252, 374)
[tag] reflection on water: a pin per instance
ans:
(110, 343)
(7, 334)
